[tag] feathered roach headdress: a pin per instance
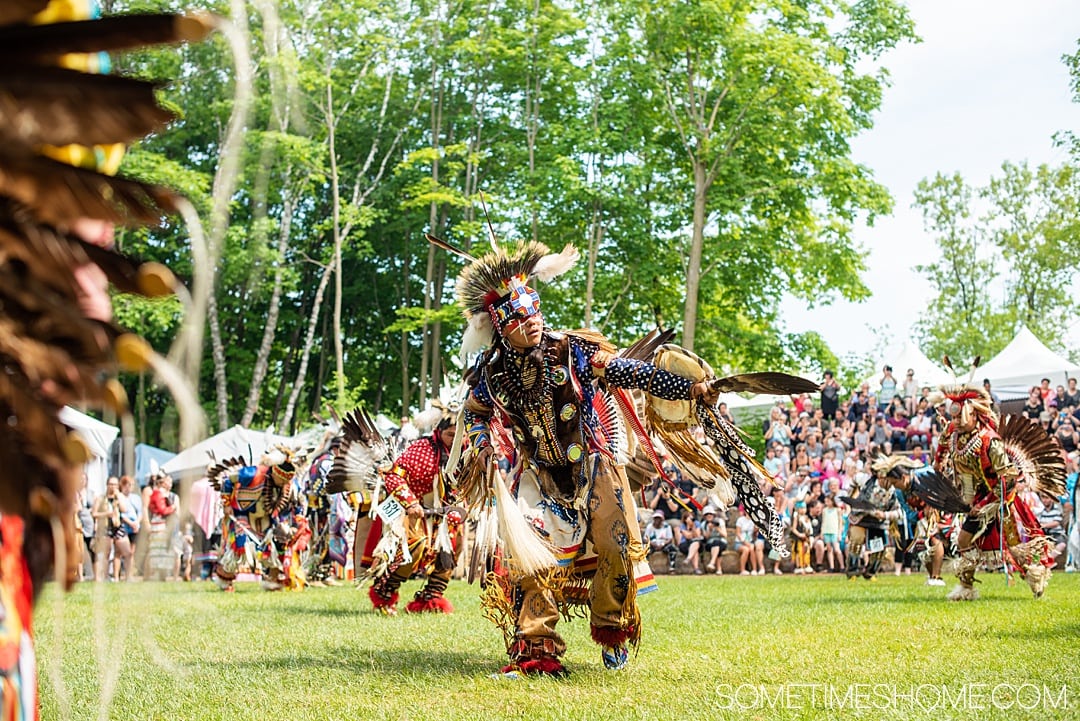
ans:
(963, 401)
(493, 289)
(893, 466)
(439, 414)
(62, 126)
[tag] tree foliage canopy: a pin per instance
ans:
(628, 128)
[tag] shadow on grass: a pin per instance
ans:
(410, 661)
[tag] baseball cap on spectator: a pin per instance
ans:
(707, 510)
(657, 514)
(804, 414)
(1044, 417)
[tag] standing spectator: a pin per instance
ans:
(1048, 394)
(723, 412)
(130, 519)
(207, 512)
(84, 521)
(994, 400)
(112, 543)
(163, 524)
(910, 392)
(750, 548)
(142, 549)
(830, 395)
(888, 388)
(832, 523)
(660, 538)
(801, 539)
(715, 538)
(1071, 399)
(690, 539)
(1071, 510)
(1034, 405)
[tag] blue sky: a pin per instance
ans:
(985, 86)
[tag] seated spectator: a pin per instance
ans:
(690, 539)
(898, 425)
(715, 543)
(799, 462)
(860, 406)
(661, 538)
(1066, 434)
(1052, 521)
(921, 426)
(918, 454)
(663, 501)
(861, 438)
(879, 433)
(772, 464)
(750, 548)
(837, 442)
(814, 449)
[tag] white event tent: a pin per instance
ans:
(1023, 363)
(236, 441)
(907, 355)
(99, 437)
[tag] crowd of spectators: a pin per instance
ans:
(818, 454)
(133, 534)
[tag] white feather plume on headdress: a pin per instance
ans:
(555, 264)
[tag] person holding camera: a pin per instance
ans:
(715, 531)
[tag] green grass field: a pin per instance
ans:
(717, 648)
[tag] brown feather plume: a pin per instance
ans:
(776, 383)
(19, 11)
(58, 194)
(42, 43)
(53, 350)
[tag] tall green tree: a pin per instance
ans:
(761, 100)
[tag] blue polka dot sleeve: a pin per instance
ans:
(626, 373)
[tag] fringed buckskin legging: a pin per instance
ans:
(438, 576)
(616, 540)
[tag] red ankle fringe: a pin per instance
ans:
(607, 636)
(534, 666)
(435, 604)
(379, 602)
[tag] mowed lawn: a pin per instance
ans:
(713, 648)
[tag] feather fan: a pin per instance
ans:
(362, 453)
(1037, 456)
(937, 491)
